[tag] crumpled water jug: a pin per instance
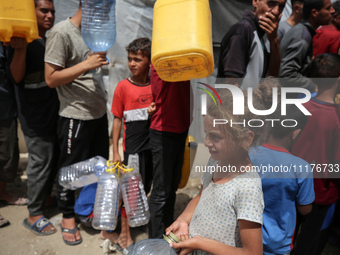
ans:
(156, 246)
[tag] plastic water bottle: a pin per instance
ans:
(106, 205)
(98, 25)
(155, 246)
(83, 173)
(134, 197)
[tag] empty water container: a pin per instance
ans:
(106, 205)
(134, 197)
(83, 173)
(98, 25)
(156, 246)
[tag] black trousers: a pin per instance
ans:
(311, 239)
(167, 155)
(79, 140)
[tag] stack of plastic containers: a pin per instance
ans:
(114, 181)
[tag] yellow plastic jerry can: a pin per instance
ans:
(18, 18)
(189, 157)
(182, 40)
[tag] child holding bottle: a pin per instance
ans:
(226, 216)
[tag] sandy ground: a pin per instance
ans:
(15, 239)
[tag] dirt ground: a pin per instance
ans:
(15, 239)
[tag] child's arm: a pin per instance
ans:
(180, 227)
(251, 237)
(117, 125)
(304, 209)
(56, 75)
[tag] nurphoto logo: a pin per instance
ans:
(239, 102)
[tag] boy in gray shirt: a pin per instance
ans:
(75, 72)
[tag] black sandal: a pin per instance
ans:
(71, 231)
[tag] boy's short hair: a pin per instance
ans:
(309, 5)
(296, 1)
(324, 66)
(292, 113)
(36, 2)
(142, 44)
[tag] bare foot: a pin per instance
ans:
(113, 237)
(48, 229)
(70, 224)
(125, 239)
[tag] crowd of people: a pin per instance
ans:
(54, 85)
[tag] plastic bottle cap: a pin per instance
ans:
(171, 238)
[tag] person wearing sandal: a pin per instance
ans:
(75, 72)
(38, 107)
(9, 149)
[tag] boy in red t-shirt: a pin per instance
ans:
(131, 99)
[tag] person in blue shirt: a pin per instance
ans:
(287, 182)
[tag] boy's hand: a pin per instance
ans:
(116, 157)
(151, 109)
(269, 24)
(180, 229)
(17, 43)
(95, 60)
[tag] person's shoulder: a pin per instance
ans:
(249, 179)
(121, 85)
(59, 26)
(123, 82)
(242, 27)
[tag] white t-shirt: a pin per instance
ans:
(222, 205)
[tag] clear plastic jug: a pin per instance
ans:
(82, 173)
(98, 25)
(134, 197)
(156, 246)
(106, 205)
